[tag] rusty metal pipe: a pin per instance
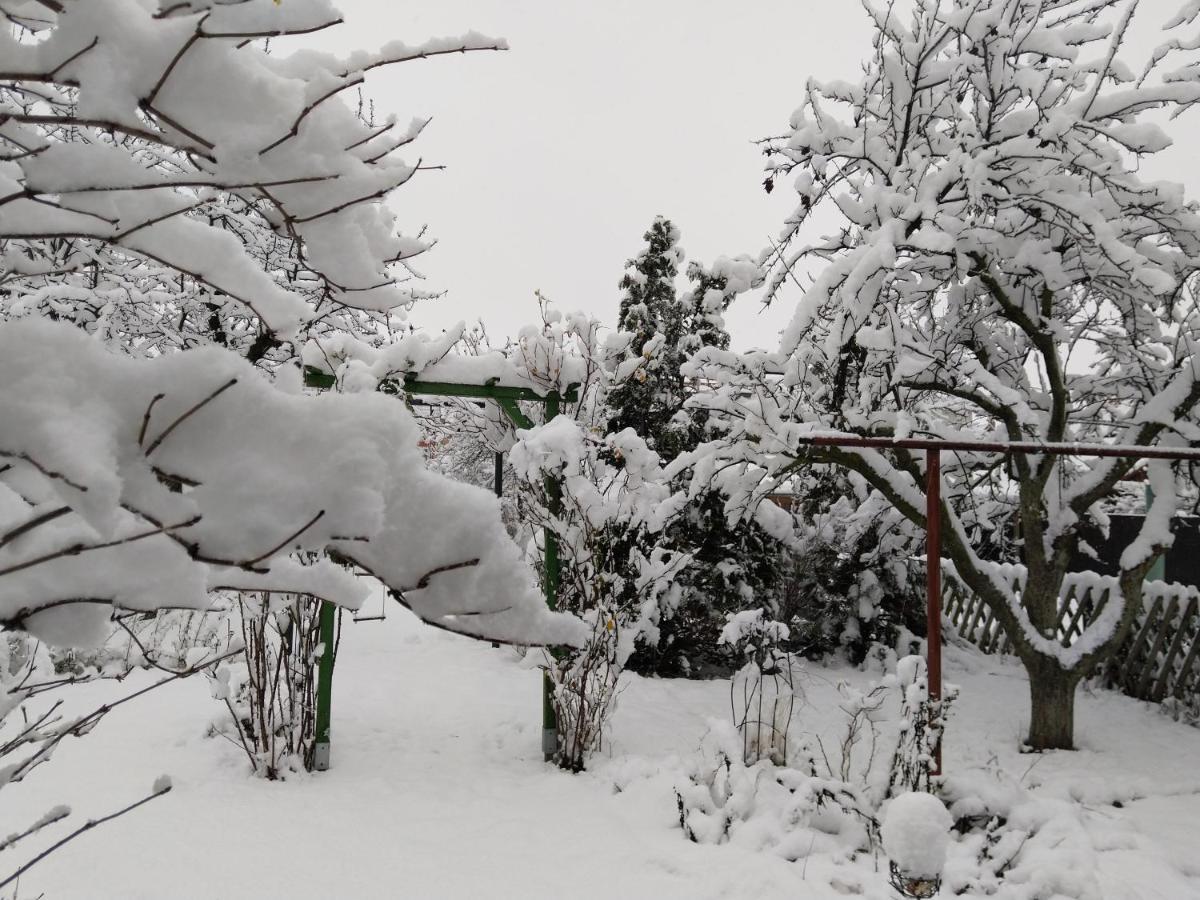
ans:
(933, 584)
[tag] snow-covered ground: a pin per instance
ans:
(438, 791)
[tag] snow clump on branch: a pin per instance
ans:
(148, 483)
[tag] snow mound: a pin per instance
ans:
(916, 834)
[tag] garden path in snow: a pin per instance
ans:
(438, 791)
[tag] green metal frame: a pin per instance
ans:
(327, 623)
(508, 399)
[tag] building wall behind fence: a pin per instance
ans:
(1182, 559)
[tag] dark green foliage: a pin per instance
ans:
(653, 393)
(854, 581)
(708, 299)
(734, 567)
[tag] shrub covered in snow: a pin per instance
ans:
(601, 515)
(764, 691)
(768, 808)
(602, 497)
(922, 723)
(270, 690)
(852, 580)
(1012, 841)
(834, 784)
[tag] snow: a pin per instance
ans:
(537, 365)
(267, 473)
(437, 789)
(1155, 534)
(751, 625)
(437, 754)
(204, 111)
(916, 834)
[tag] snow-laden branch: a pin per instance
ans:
(241, 479)
(130, 127)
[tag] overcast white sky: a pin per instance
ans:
(602, 115)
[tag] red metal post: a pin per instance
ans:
(933, 582)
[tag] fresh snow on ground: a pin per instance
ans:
(438, 791)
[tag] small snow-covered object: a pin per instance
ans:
(916, 833)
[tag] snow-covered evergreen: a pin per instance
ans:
(736, 564)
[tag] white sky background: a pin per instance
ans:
(561, 151)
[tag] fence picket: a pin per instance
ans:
(1142, 637)
(1144, 667)
(1160, 685)
(1152, 658)
(1065, 611)
(1181, 691)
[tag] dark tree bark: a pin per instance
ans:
(1052, 699)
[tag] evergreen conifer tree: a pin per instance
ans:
(734, 567)
(650, 311)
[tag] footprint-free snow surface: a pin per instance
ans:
(437, 790)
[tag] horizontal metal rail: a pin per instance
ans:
(1027, 447)
(413, 384)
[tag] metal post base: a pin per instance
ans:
(321, 756)
(549, 743)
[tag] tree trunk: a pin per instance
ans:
(1052, 695)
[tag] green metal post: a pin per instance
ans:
(328, 618)
(554, 496)
(498, 484)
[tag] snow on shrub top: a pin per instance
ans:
(752, 628)
(916, 834)
(149, 482)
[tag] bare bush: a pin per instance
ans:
(270, 690)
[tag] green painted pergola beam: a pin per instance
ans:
(508, 398)
(315, 378)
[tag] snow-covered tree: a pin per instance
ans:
(648, 388)
(736, 563)
(166, 180)
(994, 264)
(166, 183)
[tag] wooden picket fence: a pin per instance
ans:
(1157, 662)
